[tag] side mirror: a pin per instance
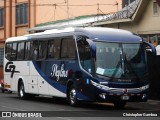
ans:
(151, 48)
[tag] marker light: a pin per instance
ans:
(87, 81)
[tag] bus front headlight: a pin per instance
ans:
(144, 87)
(103, 87)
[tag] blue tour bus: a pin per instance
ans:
(91, 64)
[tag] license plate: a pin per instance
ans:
(125, 97)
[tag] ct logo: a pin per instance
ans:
(10, 67)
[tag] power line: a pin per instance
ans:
(61, 5)
(15, 2)
(66, 5)
(74, 5)
(66, 11)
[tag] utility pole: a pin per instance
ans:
(116, 3)
(67, 9)
(55, 5)
(97, 11)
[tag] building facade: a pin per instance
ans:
(144, 21)
(17, 16)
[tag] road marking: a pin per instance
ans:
(12, 108)
(64, 118)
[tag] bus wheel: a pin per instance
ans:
(21, 91)
(119, 104)
(72, 96)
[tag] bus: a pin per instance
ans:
(92, 64)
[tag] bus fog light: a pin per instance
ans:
(103, 95)
(144, 96)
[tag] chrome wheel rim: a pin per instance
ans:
(72, 96)
(21, 91)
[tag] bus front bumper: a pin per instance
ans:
(104, 93)
(124, 97)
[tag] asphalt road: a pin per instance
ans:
(49, 108)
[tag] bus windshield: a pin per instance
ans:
(119, 60)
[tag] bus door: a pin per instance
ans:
(32, 55)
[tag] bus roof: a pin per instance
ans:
(111, 34)
(94, 33)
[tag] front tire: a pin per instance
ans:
(72, 96)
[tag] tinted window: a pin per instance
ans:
(68, 48)
(84, 52)
(42, 49)
(1, 56)
(22, 14)
(27, 50)
(54, 48)
(20, 51)
(14, 51)
(8, 49)
(1, 17)
(34, 50)
(84, 49)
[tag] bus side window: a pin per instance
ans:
(68, 50)
(8, 49)
(42, 49)
(84, 53)
(27, 50)
(34, 50)
(14, 52)
(20, 52)
(54, 49)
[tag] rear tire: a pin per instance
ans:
(72, 96)
(21, 91)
